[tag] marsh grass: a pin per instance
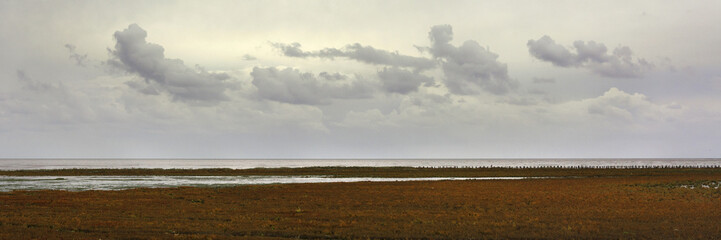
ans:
(617, 204)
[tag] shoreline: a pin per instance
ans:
(664, 204)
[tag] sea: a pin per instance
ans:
(34, 164)
(84, 183)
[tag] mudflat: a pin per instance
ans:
(598, 203)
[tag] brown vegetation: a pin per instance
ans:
(652, 206)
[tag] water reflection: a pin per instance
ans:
(84, 183)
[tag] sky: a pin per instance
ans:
(360, 79)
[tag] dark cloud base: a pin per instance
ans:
(590, 55)
(134, 55)
(468, 69)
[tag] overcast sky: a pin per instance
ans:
(360, 79)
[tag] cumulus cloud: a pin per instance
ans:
(619, 104)
(133, 54)
(616, 103)
(546, 49)
(358, 52)
(292, 86)
(591, 55)
(396, 80)
(469, 68)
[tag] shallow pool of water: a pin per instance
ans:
(84, 183)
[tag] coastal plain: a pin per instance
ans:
(574, 203)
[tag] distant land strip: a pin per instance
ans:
(397, 172)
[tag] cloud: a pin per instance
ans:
(520, 101)
(292, 86)
(364, 119)
(332, 76)
(413, 110)
(358, 52)
(621, 105)
(538, 80)
(291, 50)
(134, 55)
(536, 92)
(143, 87)
(370, 55)
(248, 57)
(395, 80)
(590, 55)
(469, 68)
(32, 85)
(547, 50)
(621, 65)
(43, 101)
(79, 59)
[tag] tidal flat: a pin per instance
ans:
(655, 203)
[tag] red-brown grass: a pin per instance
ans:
(620, 207)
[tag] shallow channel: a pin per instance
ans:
(84, 183)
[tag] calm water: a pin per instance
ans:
(81, 183)
(15, 164)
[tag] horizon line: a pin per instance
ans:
(483, 158)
